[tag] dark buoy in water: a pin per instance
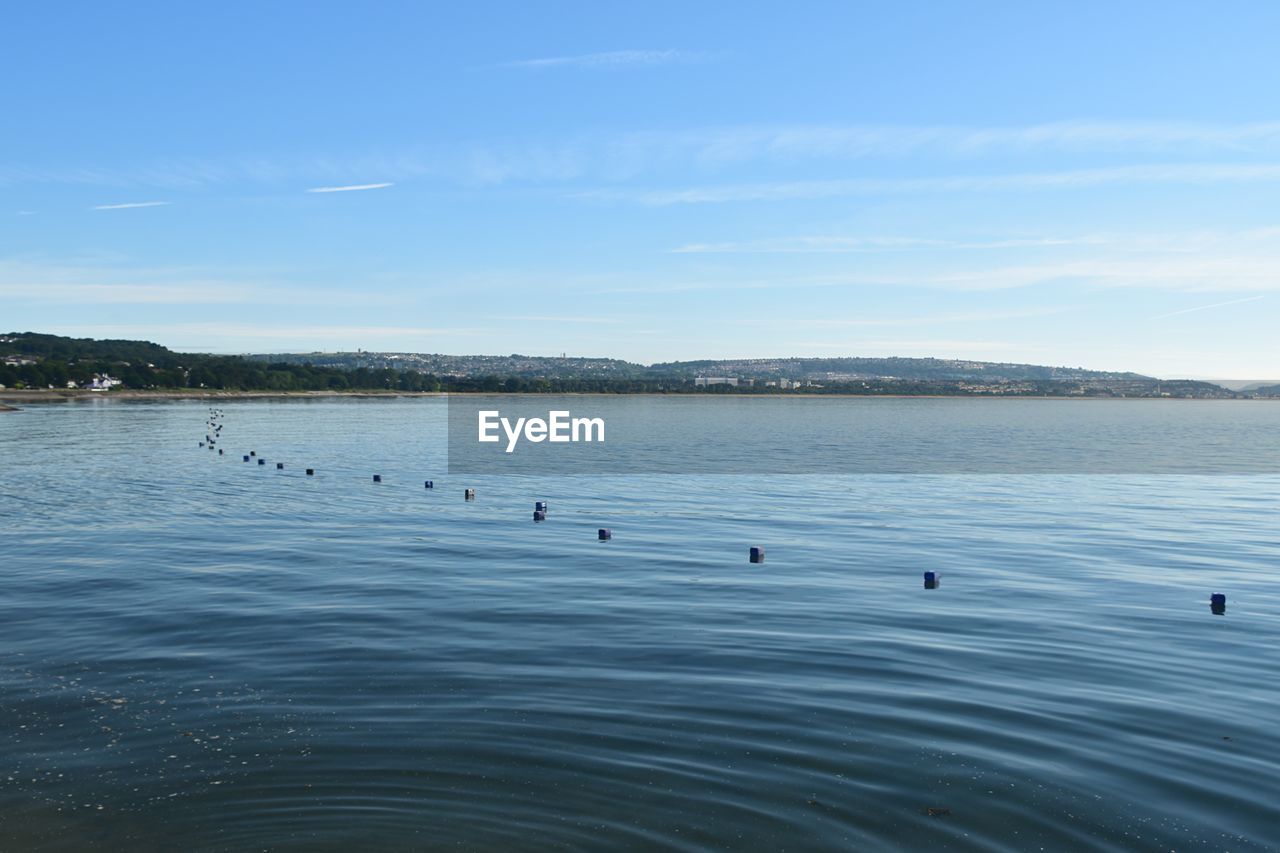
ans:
(1218, 603)
(930, 580)
(202, 444)
(220, 452)
(246, 459)
(539, 515)
(377, 478)
(279, 466)
(540, 506)
(253, 453)
(311, 472)
(262, 462)
(605, 534)
(757, 554)
(428, 484)
(469, 494)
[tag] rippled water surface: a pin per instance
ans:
(202, 654)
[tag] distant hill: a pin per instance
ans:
(796, 369)
(838, 369)
(33, 360)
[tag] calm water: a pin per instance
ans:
(202, 654)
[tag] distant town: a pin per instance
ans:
(32, 361)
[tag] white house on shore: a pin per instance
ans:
(102, 382)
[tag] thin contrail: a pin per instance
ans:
(1206, 307)
(350, 188)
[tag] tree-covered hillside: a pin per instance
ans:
(31, 360)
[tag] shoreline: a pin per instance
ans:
(70, 395)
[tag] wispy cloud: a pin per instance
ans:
(824, 244)
(924, 347)
(626, 156)
(1194, 173)
(967, 317)
(561, 319)
(1207, 307)
(131, 204)
(205, 337)
(43, 285)
(607, 59)
(1231, 272)
(349, 188)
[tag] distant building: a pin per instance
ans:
(102, 382)
(704, 381)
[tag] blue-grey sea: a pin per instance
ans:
(199, 653)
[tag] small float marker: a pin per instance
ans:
(220, 453)
(1218, 603)
(539, 515)
(262, 462)
(377, 478)
(279, 466)
(540, 505)
(469, 494)
(428, 484)
(930, 580)
(246, 459)
(605, 534)
(253, 453)
(311, 472)
(757, 554)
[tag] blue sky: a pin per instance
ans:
(1085, 184)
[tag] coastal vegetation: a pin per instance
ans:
(41, 361)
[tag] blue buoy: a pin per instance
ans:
(253, 453)
(469, 494)
(246, 459)
(1218, 598)
(428, 485)
(220, 453)
(539, 515)
(202, 444)
(931, 580)
(262, 462)
(757, 554)
(377, 478)
(311, 472)
(279, 466)
(605, 534)
(540, 505)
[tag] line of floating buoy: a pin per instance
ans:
(932, 579)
